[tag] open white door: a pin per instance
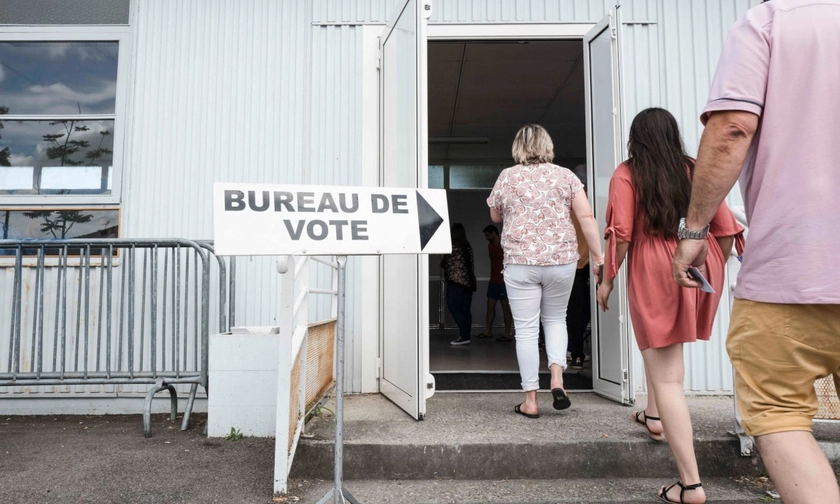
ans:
(611, 374)
(404, 352)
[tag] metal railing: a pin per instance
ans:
(116, 312)
(307, 354)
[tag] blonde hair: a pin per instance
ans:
(532, 145)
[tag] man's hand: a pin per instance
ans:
(689, 253)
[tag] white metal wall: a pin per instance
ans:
(692, 33)
(264, 91)
(240, 91)
(670, 47)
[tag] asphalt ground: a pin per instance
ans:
(106, 459)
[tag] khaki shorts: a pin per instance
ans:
(779, 351)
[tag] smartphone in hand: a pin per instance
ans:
(695, 274)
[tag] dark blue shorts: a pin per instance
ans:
(497, 291)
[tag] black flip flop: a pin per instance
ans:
(561, 400)
(519, 411)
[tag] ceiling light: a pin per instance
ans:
(458, 140)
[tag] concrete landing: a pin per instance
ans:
(477, 436)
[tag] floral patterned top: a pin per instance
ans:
(535, 202)
(458, 267)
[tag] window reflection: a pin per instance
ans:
(57, 224)
(58, 78)
(56, 157)
(474, 176)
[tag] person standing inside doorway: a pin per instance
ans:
(496, 291)
(535, 199)
(459, 275)
(772, 120)
(579, 312)
(648, 192)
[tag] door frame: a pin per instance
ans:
(451, 32)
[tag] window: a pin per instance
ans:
(465, 176)
(62, 116)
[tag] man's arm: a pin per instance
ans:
(723, 148)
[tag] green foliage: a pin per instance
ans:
(318, 411)
(4, 153)
(59, 222)
(234, 435)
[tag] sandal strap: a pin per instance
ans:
(690, 487)
(648, 417)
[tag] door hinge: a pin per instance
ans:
(379, 367)
(427, 9)
(614, 33)
(379, 58)
(624, 375)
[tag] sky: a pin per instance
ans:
(48, 78)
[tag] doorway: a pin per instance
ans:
(480, 92)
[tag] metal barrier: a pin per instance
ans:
(306, 367)
(110, 312)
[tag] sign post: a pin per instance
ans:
(263, 219)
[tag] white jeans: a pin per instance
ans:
(539, 293)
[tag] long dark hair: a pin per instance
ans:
(459, 235)
(660, 169)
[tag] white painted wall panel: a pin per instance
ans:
(692, 33)
(484, 11)
(265, 91)
(220, 94)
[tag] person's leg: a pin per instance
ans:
(651, 410)
(455, 302)
(578, 313)
(778, 352)
(666, 369)
(798, 468)
(557, 286)
(524, 293)
(491, 316)
(466, 312)
(508, 316)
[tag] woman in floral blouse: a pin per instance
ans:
(459, 274)
(535, 200)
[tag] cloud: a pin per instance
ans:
(21, 160)
(60, 98)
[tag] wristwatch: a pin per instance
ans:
(683, 232)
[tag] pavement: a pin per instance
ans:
(471, 448)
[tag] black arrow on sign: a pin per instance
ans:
(428, 220)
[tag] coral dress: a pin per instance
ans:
(662, 312)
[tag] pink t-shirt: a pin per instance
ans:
(535, 201)
(781, 61)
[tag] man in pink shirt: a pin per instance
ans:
(773, 118)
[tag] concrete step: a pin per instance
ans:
(477, 436)
(718, 490)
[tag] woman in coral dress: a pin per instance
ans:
(648, 194)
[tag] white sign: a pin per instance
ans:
(264, 219)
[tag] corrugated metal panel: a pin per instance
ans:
(691, 35)
(227, 63)
(484, 11)
(220, 94)
(336, 157)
